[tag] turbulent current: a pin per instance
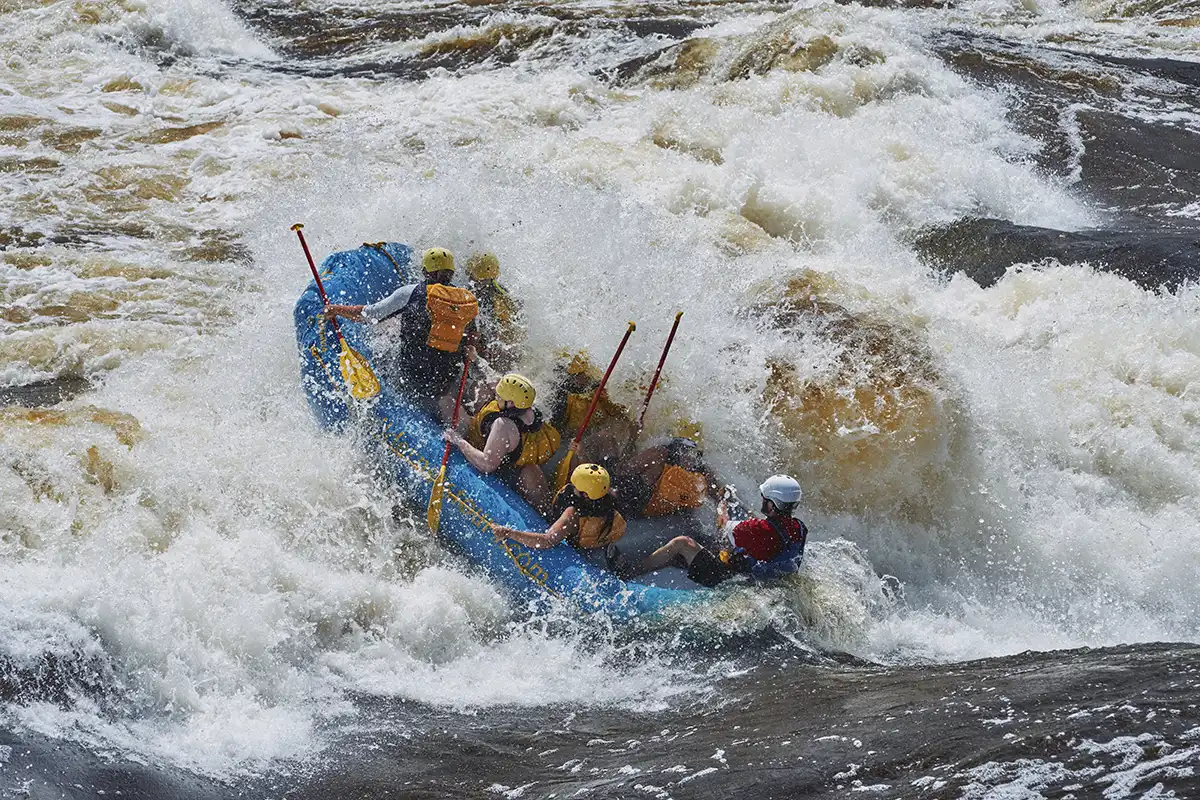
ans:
(936, 259)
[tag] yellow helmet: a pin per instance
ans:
(591, 480)
(437, 259)
(685, 428)
(580, 365)
(516, 389)
(483, 267)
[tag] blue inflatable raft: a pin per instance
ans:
(410, 442)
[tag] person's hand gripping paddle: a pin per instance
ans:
(433, 515)
(356, 372)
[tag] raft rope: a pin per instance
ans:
(419, 465)
(380, 247)
(318, 353)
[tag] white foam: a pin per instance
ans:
(242, 573)
(1029, 777)
(195, 27)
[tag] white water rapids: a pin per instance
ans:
(233, 572)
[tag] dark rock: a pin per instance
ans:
(38, 394)
(984, 249)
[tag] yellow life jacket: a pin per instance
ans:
(596, 522)
(499, 318)
(571, 416)
(504, 307)
(593, 532)
(677, 490)
(577, 406)
(539, 440)
(451, 309)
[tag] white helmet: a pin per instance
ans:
(781, 489)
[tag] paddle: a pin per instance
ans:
(356, 372)
(563, 473)
(433, 516)
(641, 423)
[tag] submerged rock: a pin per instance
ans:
(45, 393)
(877, 434)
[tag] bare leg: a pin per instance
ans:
(446, 406)
(597, 447)
(608, 440)
(684, 547)
(531, 483)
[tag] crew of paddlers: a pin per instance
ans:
(442, 328)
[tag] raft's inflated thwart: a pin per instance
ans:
(410, 442)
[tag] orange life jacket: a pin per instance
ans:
(677, 489)
(451, 309)
(596, 523)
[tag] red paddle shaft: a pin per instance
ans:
(600, 388)
(320, 288)
(658, 372)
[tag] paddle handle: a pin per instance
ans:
(641, 423)
(596, 395)
(316, 276)
(462, 385)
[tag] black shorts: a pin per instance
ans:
(708, 570)
(427, 376)
(508, 473)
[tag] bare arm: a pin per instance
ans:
(722, 515)
(539, 541)
(500, 442)
(352, 313)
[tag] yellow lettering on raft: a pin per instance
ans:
(524, 559)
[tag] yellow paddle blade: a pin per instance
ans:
(357, 374)
(434, 515)
(563, 473)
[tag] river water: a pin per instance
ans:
(937, 259)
